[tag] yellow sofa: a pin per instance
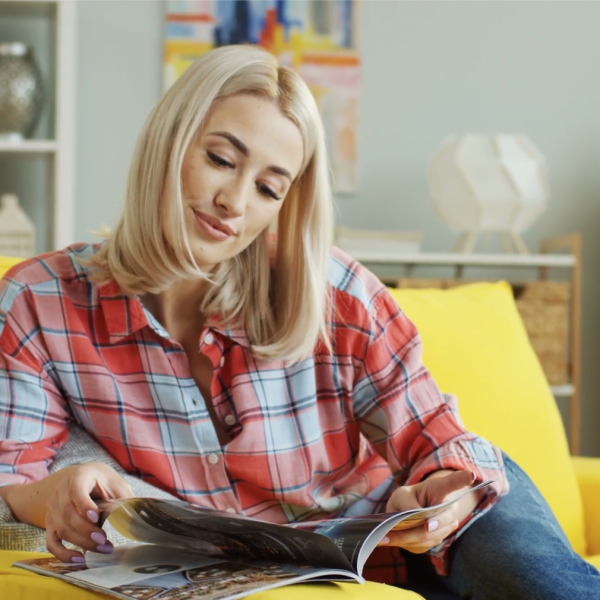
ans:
(476, 347)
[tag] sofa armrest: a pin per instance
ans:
(587, 471)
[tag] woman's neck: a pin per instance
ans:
(178, 307)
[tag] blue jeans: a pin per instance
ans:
(516, 551)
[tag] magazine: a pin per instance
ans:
(180, 551)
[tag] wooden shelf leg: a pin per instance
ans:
(519, 243)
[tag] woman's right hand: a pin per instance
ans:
(72, 514)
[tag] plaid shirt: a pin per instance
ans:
(331, 435)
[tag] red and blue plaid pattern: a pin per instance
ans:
(331, 435)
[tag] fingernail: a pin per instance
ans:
(92, 515)
(432, 525)
(105, 548)
(77, 559)
(385, 540)
(98, 537)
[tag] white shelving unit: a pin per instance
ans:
(402, 264)
(465, 260)
(50, 27)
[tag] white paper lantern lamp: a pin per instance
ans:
(483, 183)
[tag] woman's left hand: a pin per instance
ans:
(437, 488)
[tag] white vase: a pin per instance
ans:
(17, 232)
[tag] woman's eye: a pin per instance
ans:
(221, 162)
(265, 190)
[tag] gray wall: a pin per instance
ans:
(430, 69)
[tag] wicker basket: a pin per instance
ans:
(544, 308)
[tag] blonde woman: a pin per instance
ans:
(273, 377)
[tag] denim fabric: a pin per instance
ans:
(517, 551)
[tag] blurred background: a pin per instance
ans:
(427, 70)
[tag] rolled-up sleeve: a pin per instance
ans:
(408, 420)
(33, 412)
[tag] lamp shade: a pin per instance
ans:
(488, 183)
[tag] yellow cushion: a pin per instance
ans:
(594, 560)
(476, 347)
(587, 471)
(6, 262)
(18, 584)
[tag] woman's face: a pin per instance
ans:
(235, 176)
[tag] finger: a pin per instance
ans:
(119, 488)
(404, 498)
(419, 540)
(112, 485)
(441, 521)
(73, 527)
(76, 495)
(70, 527)
(55, 545)
(439, 488)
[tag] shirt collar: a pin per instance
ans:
(124, 315)
(235, 334)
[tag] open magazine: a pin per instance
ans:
(185, 552)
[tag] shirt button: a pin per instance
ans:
(213, 459)
(230, 419)
(222, 361)
(230, 510)
(209, 338)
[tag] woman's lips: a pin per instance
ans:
(213, 227)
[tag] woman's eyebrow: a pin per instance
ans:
(235, 141)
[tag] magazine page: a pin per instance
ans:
(220, 534)
(144, 571)
(358, 536)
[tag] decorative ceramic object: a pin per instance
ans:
(483, 183)
(17, 232)
(21, 91)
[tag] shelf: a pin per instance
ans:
(42, 170)
(562, 391)
(28, 8)
(33, 147)
(464, 260)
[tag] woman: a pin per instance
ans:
(271, 377)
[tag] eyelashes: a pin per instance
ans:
(267, 191)
(221, 163)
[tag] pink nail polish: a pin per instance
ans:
(432, 525)
(98, 537)
(78, 559)
(385, 540)
(105, 548)
(92, 515)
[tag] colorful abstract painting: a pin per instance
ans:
(315, 37)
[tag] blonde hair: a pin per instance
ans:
(284, 313)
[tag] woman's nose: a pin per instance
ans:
(233, 200)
